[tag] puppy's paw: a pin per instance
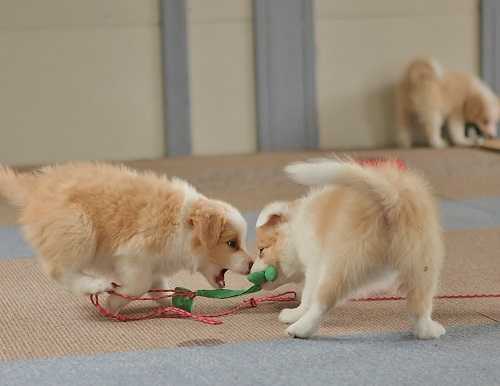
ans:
(162, 284)
(100, 286)
(439, 143)
(429, 329)
(301, 329)
(290, 315)
(164, 302)
(90, 286)
(114, 304)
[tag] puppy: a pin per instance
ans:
(370, 223)
(93, 223)
(427, 98)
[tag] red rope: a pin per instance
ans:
(381, 161)
(212, 319)
(252, 302)
(451, 296)
(174, 312)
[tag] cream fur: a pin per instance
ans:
(360, 226)
(427, 97)
(95, 223)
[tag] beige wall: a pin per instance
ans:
(362, 47)
(222, 76)
(79, 79)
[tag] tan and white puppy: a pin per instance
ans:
(362, 225)
(428, 97)
(96, 223)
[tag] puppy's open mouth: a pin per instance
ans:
(219, 279)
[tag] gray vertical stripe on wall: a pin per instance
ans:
(176, 77)
(285, 74)
(490, 41)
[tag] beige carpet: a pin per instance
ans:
(40, 320)
(252, 181)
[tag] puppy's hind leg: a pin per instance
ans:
(420, 308)
(404, 134)
(421, 282)
(73, 279)
(69, 252)
(83, 284)
(404, 139)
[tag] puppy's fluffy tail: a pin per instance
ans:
(383, 184)
(422, 70)
(15, 187)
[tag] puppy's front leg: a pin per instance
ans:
(326, 294)
(291, 315)
(308, 324)
(136, 280)
(456, 128)
(161, 282)
(432, 124)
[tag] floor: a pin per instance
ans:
(53, 338)
(465, 356)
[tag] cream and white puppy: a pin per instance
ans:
(429, 97)
(368, 224)
(92, 224)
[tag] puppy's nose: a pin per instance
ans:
(250, 265)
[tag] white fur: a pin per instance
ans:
(348, 174)
(316, 172)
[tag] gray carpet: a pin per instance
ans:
(466, 356)
(456, 215)
(12, 243)
(470, 214)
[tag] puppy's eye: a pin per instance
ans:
(233, 244)
(261, 251)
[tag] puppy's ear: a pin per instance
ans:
(207, 226)
(273, 214)
(473, 107)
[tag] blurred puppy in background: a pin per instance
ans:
(428, 97)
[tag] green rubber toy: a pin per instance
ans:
(259, 278)
(185, 302)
